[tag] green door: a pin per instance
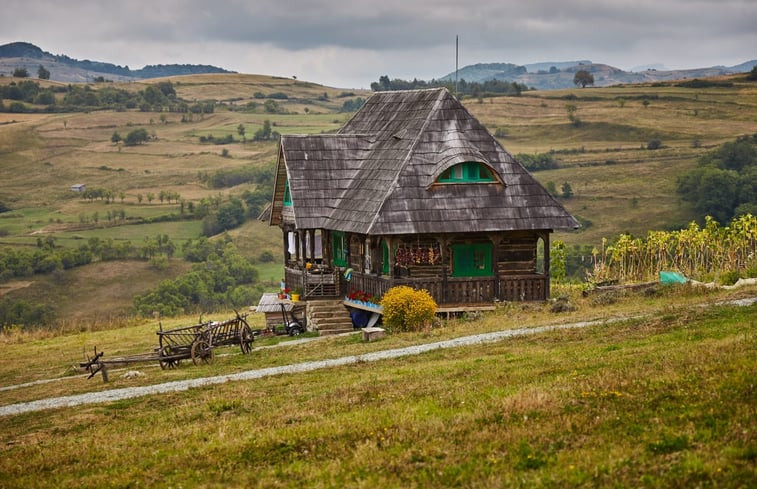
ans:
(339, 248)
(472, 260)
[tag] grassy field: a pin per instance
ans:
(618, 184)
(663, 400)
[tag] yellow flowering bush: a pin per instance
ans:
(407, 309)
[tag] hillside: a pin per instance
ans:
(657, 391)
(69, 70)
(619, 185)
(555, 76)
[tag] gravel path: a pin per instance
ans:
(182, 385)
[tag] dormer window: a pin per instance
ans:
(468, 172)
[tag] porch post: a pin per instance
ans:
(389, 243)
(546, 264)
(297, 244)
(312, 245)
(497, 240)
(443, 244)
(285, 234)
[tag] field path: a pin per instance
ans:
(183, 385)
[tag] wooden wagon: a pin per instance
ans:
(196, 342)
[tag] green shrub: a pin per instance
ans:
(407, 309)
(729, 278)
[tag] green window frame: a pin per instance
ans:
(287, 195)
(472, 260)
(468, 172)
(338, 248)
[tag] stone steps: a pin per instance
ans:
(328, 317)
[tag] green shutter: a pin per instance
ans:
(469, 172)
(384, 258)
(472, 260)
(287, 195)
(337, 246)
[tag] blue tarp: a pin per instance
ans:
(672, 278)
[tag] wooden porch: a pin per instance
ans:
(331, 283)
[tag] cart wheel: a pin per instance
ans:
(246, 337)
(202, 352)
(169, 363)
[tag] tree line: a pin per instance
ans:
(47, 257)
(158, 97)
(219, 277)
(473, 89)
(724, 183)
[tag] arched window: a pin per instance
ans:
(468, 172)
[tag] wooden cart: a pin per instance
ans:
(196, 342)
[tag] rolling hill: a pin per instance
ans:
(69, 70)
(619, 184)
(554, 76)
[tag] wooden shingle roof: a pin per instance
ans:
(377, 174)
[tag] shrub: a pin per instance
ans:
(407, 309)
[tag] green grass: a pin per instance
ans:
(661, 402)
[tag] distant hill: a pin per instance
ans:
(552, 76)
(65, 69)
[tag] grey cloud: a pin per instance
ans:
(403, 34)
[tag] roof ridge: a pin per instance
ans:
(443, 92)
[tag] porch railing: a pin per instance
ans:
(321, 283)
(444, 290)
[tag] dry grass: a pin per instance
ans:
(661, 402)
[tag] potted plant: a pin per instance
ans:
(296, 294)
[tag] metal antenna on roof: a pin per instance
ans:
(456, 57)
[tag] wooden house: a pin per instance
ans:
(413, 190)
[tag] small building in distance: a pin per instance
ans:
(78, 187)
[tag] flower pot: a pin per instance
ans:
(295, 297)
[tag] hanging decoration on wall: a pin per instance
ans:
(409, 255)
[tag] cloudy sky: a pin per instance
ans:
(350, 43)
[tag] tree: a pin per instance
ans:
(583, 78)
(137, 136)
(271, 106)
(240, 131)
(752, 76)
(115, 138)
(43, 73)
(567, 190)
(21, 72)
(571, 109)
(265, 132)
